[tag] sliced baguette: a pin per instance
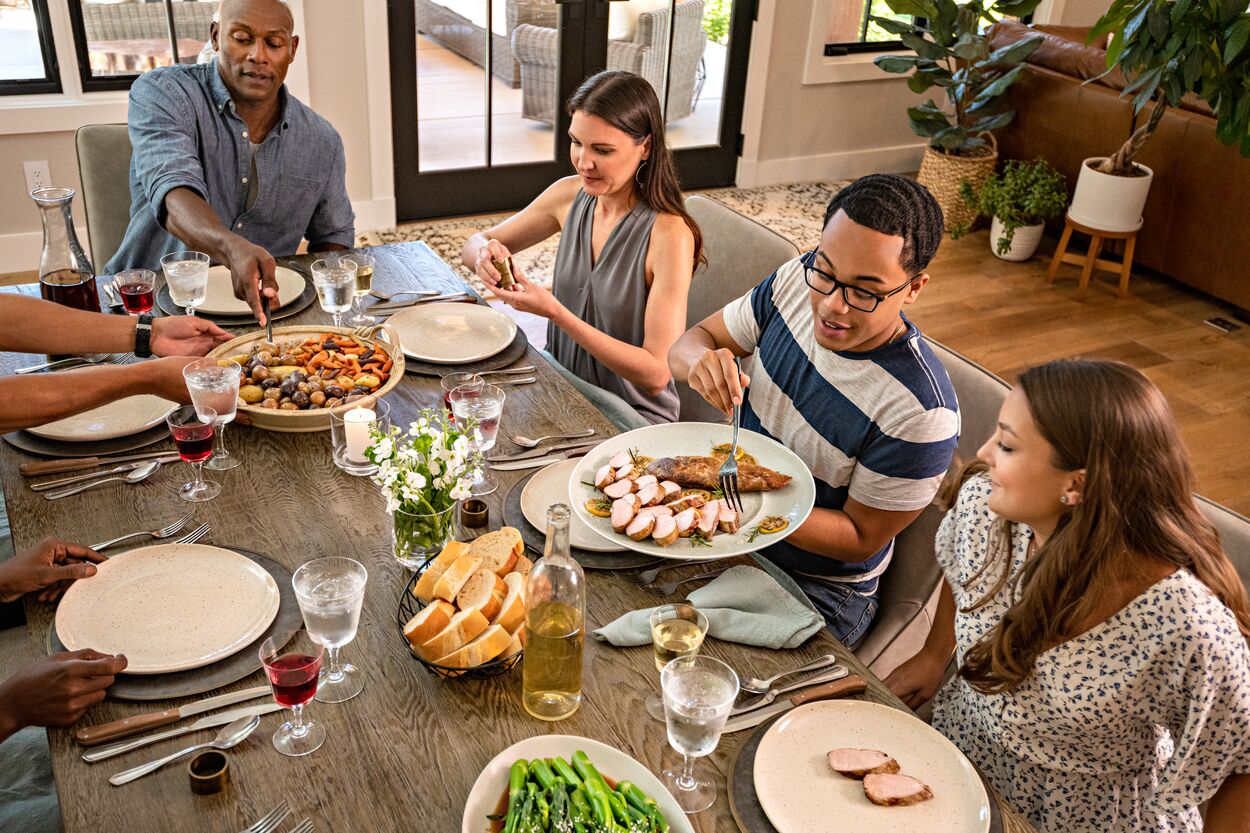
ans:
(491, 643)
(498, 550)
(463, 628)
(511, 613)
(434, 571)
(428, 622)
(485, 591)
(454, 577)
(515, 646)
(523, 566)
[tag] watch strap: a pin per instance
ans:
(143, 336)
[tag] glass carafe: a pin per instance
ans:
(65, 274)
(555, 629)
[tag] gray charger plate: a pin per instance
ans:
(535, 540)
(54, 448)
(233, 668)
(506, 356)
(301, 303)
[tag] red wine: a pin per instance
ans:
(138, 298)
(294, 678)
(194, 442)
(71, 289)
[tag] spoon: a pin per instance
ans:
(143, 472)
(422, 292)
(231, 735)
(526, 442)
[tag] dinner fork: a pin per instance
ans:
(163, 532)
(668, 588)
(195, 534)
(729, 469)
(647, 577)
(305, 826)
(75, 362)
(270, 821)
(753, 685)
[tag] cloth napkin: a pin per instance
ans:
(742, 604)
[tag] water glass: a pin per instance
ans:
(699, 693)
(364, 283)
(186, 275)
(138, 290)
(215, 387)
(293, 671)
(480, 405)
(192, 429)
(335, 280)
(331, 592)
(350, 427)
(677, 630)
(454, 380)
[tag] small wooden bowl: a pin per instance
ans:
(296, 422)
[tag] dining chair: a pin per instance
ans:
(1234, 532)
(740, 253)
(104, 169)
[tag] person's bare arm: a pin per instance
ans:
(1229, 810)
(853, 533)
(704, 358)
(918, 679)
(529, 226)
(30, 325)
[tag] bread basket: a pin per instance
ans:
(315, 419)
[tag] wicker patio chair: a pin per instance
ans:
(468, 40)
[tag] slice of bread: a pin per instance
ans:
(428, 622)
(485, 591)
(523, 566)
(498, 550)
(511, 613)
(463, 628)
(454, 577)
(490, 644)
(424, 589)
(514, 647)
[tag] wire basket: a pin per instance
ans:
(410, 605)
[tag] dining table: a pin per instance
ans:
(402, 755)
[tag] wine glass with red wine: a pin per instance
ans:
(193, 436)
(292, 670)
(138, 290)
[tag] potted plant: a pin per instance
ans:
(1165, 49)
(1020, 200)
(952, 52)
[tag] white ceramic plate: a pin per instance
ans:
(116, 419)
(169, 607)
(793, 502)
(612, 764)
(452, 333)
(551, 485)
(801, 794)
(220, 300)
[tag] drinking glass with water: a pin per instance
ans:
(186, 275)
(483, 404)
(215, 388)
(699, 693)
(335, 280)
(331, 592)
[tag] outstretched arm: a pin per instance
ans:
(29, 325)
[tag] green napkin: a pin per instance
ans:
(742, 604)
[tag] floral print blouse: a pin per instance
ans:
(1128, 727)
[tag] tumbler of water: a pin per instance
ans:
(186, 275)
(699, 693)
(331, 592)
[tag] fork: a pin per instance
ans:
(647, 577)
(270, 821)
(729, 469)
(195, 534)
(75, 362)
(163, 532)
(667, 588)
(305, 826)
(754, 685)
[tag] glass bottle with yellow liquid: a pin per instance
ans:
(555, 631)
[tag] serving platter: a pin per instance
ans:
(453, 334)
(120, 418)
(794, 502)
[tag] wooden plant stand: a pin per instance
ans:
(1090, 260)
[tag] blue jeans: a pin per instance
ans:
(848, 612)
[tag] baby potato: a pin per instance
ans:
(251, 394)
(288, 406)
(271, 404)
(367, 380)
(260, 374)
(272, 394)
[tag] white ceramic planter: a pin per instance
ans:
(1110, 203)
(1023, 242)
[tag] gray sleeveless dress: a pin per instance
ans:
(611, 296)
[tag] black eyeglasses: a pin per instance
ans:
(854, 296)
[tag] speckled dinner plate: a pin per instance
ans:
(219, 297)
(116, 419)
(551, 485)
(800, 793)
(452, 333)
(169, 607)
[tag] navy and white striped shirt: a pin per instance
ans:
(878, 426)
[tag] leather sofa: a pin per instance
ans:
(1194, 230)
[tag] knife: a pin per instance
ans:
(543, 452)
(79, 463)
(398, 305)
(114, 749)
(837, 672)
(92, 735)
(539, 462)
(167, 457)
(842, 688)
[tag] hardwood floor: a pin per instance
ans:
(1004, 316)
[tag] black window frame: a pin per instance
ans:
(834, 50)
(109, 83)
(51, 82)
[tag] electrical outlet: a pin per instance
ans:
(37, 175)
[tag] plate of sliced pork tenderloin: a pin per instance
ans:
(655, 490)
(843, 765)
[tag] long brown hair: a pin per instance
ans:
(1136, 504)
(628, 103)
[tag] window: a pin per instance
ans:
(118, 41)
(851, 29)
(27, 59)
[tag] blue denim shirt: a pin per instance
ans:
(186, 133)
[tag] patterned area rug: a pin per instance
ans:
(795, 211)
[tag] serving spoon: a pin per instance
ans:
(143, 472)
(231, 734)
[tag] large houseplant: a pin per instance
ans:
(952, 53)
(1165, 49)
(1020, 200)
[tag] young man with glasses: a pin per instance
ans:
(841, 376)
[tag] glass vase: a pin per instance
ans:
(416, 536)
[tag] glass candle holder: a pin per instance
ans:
(350, 427)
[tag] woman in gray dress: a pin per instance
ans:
(627, 252)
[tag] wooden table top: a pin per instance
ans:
(403, 755)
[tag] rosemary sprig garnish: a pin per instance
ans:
(753, 533)
(700, 539)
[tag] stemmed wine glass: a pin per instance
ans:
(331, 592)
(484, 405)
(192, 429)
(186, 275)
(292, 671)
(699, 693)
(677, 630)
(364, 283)
(214, 388)
(335, 280)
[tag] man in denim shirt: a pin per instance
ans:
(227, 162)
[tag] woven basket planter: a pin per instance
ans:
(943, 174)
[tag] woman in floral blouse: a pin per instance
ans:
(1099, 628)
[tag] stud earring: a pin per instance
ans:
(1063, 498)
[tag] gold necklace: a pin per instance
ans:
(899, 330)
